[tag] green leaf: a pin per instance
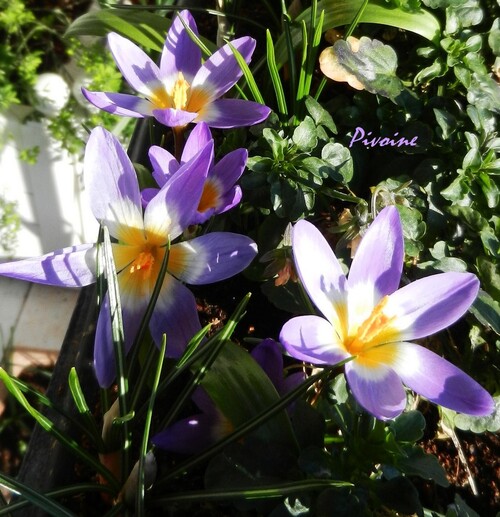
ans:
(274, 73)
(465, 14)
(277, 143)
(252, 85)
(447, 123)
(489, 188)
(304, 135)
(487, 311)
(241, 390)
(494, 37)
(320, 115)
(340, 162)
(418, 463)
(373, 64)
(342, 12)
(39, 500)
(408, 427)
(143, 28)
(484, 92)
(480, 424)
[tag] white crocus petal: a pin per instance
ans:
(361, 300)
(124, 221)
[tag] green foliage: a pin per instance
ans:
(9, 225)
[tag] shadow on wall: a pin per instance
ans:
(48, 194)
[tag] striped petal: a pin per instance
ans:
(221, 70)
(321, 274)
(74, 266)
(172, 117)
(379, 390)
(430, 304)
(180, 52)
(172, 209)
(312, 339)
(440, 381)
(112, 185)
(378, 262)
(164, 164)
(229, 113)
(211, 257)
(138, 69)
(121, 104)
(197, 140)
(176, 316)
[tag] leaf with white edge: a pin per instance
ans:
(373, 64)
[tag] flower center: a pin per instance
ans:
(374, 331)
(176, 98)
(143, 265)
(209, 197)
(179, 93)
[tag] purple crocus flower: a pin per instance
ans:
(198, 432)
(219, 191)
(368, 317)
(138, 253)
(181, 90)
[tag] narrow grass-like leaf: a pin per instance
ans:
(286, 45)
(251, 493)
(249, 78)
(39, 500)
(69, 491)
(49, 426)
(83, 408)
(145, 433)
(118, 342)
(199, 368)
(355, 22)
(313, 53)
(149, 309)
(299, 94)
(252, 424)
(275, 77)
(143, 28)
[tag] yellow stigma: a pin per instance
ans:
(179, 92)
(177, 97)
(143, 264)
(374, 331)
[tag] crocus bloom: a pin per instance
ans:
(140, 248)
(194, 434)
(368, 317)
(219, 192)
(181, 90)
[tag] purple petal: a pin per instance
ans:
(378, 261)
(441, 382)
(121, 104)
(229, 113)
(321, 274)
(164, 164)
(190, 435)
(74, 266)
(211, 257)
(138, 69)
(230, 168)
(176, 316)
(104, 355)
(430, 304)
(221, 70)
(171, 117)
(313, 340)
(379, 390)
(231, 199)
(268, 354)
(181, 53)
(197, 140)
(112, 184)
(147, 195)
(172, 209)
